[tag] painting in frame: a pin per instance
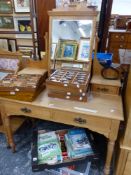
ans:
(6, 22)
(69, 50)
(22, 6)
(66, 49)
(4, 44)
(6, 7)
(27, 51)
(84, 50)
(23, 24)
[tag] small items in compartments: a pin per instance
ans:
(23, 87)
(68, 84)
(68, 76)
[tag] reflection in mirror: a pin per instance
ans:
(71, 29)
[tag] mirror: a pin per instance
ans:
(71, 29)
(71, 41)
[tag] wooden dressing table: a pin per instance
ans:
(102, 114)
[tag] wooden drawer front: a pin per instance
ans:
(118, 37)
(28, 110)
(118, 45)
(105, 89)
(129, 37)
(129, 45)
(127, 170)
(98, 124)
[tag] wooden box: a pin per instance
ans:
(67, 161)
(68, 84)
(25, 85)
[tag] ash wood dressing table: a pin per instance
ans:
(102, 114)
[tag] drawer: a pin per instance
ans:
(129, 37)
(105, 89)
(27, 110)
(98, 124)
(118, 37)
(118, 45)
(129, 45)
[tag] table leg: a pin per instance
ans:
(9, 133)
(110, 149)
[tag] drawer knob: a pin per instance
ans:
(25, 110)
(80, 120)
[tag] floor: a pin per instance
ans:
(19, 163)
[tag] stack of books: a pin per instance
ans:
(78, 144)
(49, 150)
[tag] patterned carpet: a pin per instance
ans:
(19, 163)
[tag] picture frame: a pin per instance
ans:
(84, 50)
(6, 7)
(6, 22)
(4, 44)
(69, 50)
(63, 47)
(12, 44)
(27, 51)
(22, 25)
(22, 6)
(53, 50)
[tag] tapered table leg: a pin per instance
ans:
(110, 149)
(9, 133)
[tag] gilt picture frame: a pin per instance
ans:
(66, 49)
(69, 50)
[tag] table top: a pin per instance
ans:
(101, 105)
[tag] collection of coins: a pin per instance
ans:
(73, 77)
(24, 80)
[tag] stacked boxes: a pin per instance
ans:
(68, 84)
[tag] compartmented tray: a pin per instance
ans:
(69, 84)
(36, 166)
(22, 87)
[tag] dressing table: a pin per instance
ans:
(102, 113)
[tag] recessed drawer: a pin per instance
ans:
(118, 36)
(28, 110)
(82, 120)
(105, 89)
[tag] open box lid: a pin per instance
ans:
(10, 61)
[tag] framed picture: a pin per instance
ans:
(66, 49)
(84, 50)
(4, 44)
(6, 7)
(6, 22)
(26, 51)
(22, 6)
(53, 50)
(69, 50)
(23, 24)
(12, 45)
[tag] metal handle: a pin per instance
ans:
(79, 120)
(103, 89)
(25, 110)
